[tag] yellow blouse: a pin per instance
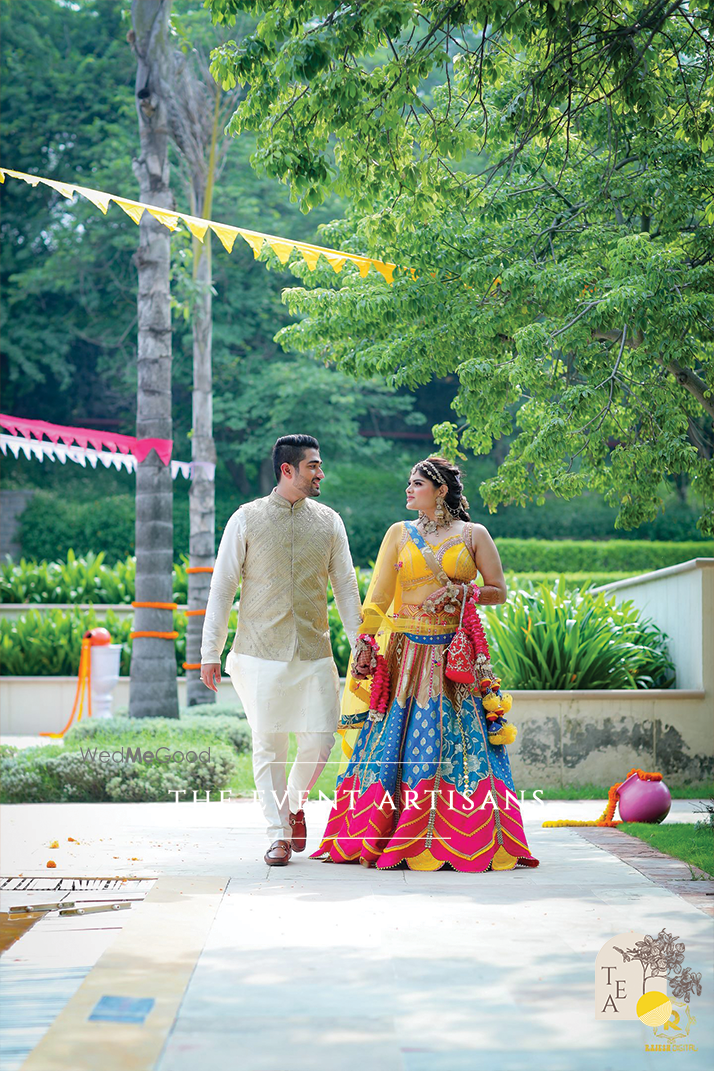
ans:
(402, 577)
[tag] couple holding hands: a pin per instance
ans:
(425, 779)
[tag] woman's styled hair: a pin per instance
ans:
(290, 450)
(450, 475)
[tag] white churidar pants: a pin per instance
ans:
(270, 754)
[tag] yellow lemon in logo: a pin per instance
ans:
(654, 1008)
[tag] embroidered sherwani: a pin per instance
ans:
(280, 664)
(281, 658)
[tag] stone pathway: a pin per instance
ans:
(692, 884)
(320, 967)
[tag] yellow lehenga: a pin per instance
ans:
(423, 786)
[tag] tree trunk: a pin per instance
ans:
(202, 509)
(153, 689)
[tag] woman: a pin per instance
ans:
(423, 775)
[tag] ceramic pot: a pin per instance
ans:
(643, 801)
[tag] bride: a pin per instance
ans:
(427, 781)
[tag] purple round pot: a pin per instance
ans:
(643, 801)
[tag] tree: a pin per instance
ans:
(564, 272)
(197, 113)
(153, 690)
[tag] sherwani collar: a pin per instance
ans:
(282, 503)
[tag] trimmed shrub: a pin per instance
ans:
(612, 555)
(75, 772)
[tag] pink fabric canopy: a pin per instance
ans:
(126, 444)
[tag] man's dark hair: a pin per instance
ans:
(290, 450)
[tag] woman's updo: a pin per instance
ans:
(439, 471)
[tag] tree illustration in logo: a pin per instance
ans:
(662, 957)
(686, 984)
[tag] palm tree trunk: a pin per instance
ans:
(202, 498)
(153, 688)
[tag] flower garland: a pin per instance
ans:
(607, 818)
(379, 693)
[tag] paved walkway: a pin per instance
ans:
(317, 966)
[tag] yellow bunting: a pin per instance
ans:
(226, 234)
(387, 270)
(281, 248)
(61, 187)
(132, 208)
(310, 256)
(335, 259)
(170, 220)
(197, 227)
(31, 180)
(255, 241)
(99, 200)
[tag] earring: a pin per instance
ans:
(439, 512)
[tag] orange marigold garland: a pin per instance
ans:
(607, 818)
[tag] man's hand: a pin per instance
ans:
(211, 675)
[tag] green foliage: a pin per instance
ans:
(680, 839)
(191, 731)
(89, 580)
(610, 556)
(46, 643)
(75, 772)
(557, 639)
(541, 176)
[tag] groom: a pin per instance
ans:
(284, 548)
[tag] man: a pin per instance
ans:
(284, 547)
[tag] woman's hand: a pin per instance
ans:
(362, 663)
(445, 599)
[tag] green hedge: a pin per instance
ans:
(75, 773)
(609, 556)
(90, 580)
(54, 522)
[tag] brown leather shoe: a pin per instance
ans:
(278, 854)
(299, 838)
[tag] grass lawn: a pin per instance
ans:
(679, 839)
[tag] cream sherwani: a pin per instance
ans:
(281, 662)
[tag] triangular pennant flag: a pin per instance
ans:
(31, 180)
(15, 448)
(99, 200)
(61, 187)
(255, 241)
(2, 179)
(310, 255)
(387, 270)
(197, 227)
(3, 445)
(363, 266)
(281, 249)
(106, 460)
(336, 261)
(227, 235)
(168, 219)
(61, 454)
(92, 458)
(133, 210)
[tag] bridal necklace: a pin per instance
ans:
(431, 527)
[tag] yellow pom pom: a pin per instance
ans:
(506, 701)
(491, 702)
(506, 735)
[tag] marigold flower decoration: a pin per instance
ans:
(607, 818)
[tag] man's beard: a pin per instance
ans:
(309, 489)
